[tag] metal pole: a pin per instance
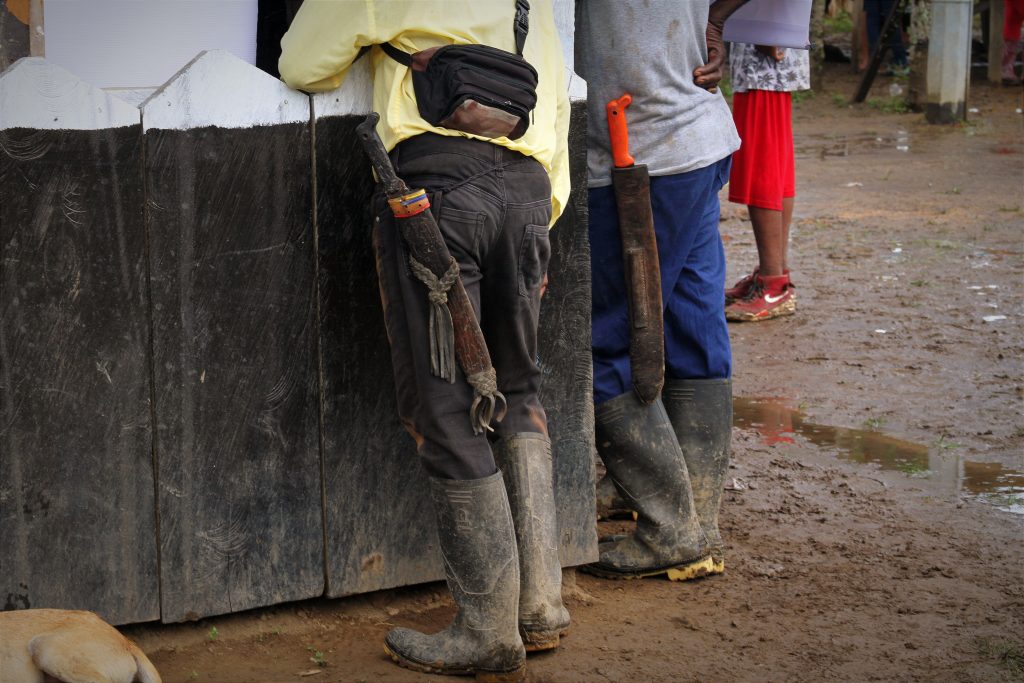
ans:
(949, 60)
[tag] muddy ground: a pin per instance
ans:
(875, 521)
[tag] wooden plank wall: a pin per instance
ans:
(198, 409)
(231, 243)
(77, 521)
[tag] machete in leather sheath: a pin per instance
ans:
(632, 187)
(454, 330)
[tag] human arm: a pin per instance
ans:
(709, 75)
(322, 42)
(772, 52)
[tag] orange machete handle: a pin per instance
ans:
(618, 131)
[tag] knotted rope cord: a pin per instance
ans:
(489, 403)
(442, 331)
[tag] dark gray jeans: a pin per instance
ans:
(493, 206)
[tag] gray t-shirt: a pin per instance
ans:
(650, 49)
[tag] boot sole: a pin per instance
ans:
(681, 572)
(514, 676)
(535, 641)
(786, 308)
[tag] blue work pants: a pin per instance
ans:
(692, 259)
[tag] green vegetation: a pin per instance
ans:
(212, 635)
(726, 85)
(890, 105)
(1006, 654)
(839, 100)
(318, 656)
(841, 23)
(801, 95)
(912, 468)
(919, 283)
(1004, 500)
(874, 423)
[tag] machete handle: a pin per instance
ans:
(618, 131)
(379, 159)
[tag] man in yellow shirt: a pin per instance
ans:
(494, 200)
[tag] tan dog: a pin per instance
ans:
(55, 645)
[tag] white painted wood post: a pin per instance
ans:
(949, 60)
(36, 29)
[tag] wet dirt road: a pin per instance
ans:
(873, 515)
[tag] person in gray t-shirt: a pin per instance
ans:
(667, 459)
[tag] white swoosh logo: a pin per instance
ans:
(772, 299)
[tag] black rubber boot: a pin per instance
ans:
(701, 414)
(639, 448)
(525, 460)
(609, 503)
(474, 527)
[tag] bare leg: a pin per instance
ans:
(771, 248)
(787, 218)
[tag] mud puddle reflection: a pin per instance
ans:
(830, 145)
(954, 474)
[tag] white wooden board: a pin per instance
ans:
(35, 93)
(218, 89)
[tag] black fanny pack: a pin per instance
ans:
(476, 89)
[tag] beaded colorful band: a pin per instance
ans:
(409, 205)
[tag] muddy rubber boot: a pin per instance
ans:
(474, 527)
(639, 448)
(701, 414)
(525, 461)
(609, 503)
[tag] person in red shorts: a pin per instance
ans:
(1012, 20)
(763, 172)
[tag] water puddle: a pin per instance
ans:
(993, 482)
(830, 145)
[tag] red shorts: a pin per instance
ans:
(1012, 19)
(763, 172)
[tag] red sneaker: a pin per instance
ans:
(740, 289)
(768, 297)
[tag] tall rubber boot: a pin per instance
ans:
(639, 448)
(701, 414)
(525, 461)
(609, 503)
(474, 527)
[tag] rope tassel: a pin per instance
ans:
(488, 403)
(442, 331)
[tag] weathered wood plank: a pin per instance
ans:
(564, 351)
(77, 522)
(13, 32)
(229, 217)
(380, 522)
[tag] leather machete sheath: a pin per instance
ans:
(632, 187)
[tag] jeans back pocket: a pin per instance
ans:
(533, 259)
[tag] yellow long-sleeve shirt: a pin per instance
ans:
(327, 35)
